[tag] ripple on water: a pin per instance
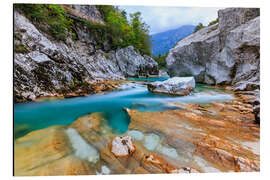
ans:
(38, 115)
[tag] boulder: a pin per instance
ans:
(122, 146)
(246, 86)
(223, 53)
(47, 67)
(132, 64)
(179, 86)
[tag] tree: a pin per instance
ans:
(198, 27)
(213, 22)
(141, 33)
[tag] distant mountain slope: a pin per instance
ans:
(162, 42)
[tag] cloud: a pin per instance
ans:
(164, 18)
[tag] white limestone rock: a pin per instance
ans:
(122, 146)
(180, 86)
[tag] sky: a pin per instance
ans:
(161, 19)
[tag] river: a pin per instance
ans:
(31, 116)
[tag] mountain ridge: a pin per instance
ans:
(162, 42)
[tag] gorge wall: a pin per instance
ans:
(44, 66)
(223, 53)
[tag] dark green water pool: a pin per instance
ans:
(30, 116)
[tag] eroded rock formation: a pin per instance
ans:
(48, 67)
(224, 53)
(122, 146)
(217, 137)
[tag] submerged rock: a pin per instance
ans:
(179, 141)
(216, 138)
(48, 152)
(151, 141)
(122, 146)
(180, 86)
(135, 135)
(104, 170)
(82, 149)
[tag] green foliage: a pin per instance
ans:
(74, 36)
(17, 36)
(161, 60)
(140, 30)
(121, 33)
(49, 14)
(107, 56)
(198, 27)
(213, 22)
(117, 30)
(19, 48)
(98, 31)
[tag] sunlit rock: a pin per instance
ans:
(180, 86)
(47, 152)
(122, 146)
(195, 131)
(156, 164)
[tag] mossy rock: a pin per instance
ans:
(19, 48)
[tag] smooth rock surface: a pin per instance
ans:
(48, 152)
(135, 135)
(223, 53)
(82, 149)
(206, 142)
(179, 86)
(187, 140)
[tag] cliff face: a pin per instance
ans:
(224, 53)
(46, 67)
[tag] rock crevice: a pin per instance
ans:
(46, 67)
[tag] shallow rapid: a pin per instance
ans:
(30, 116)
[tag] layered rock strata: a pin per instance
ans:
(48, 67)
(224, 53)
(218, 137)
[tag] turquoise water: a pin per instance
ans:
(30, 116)
(149, 79)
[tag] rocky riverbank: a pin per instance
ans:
(160, 136)
(216, 137)
(224, 53)
(44, 66)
